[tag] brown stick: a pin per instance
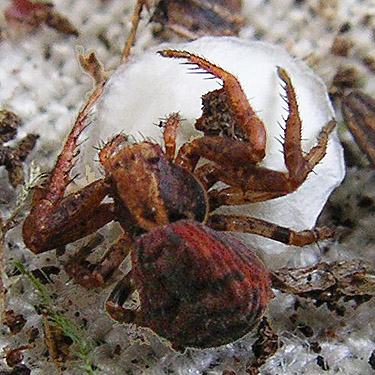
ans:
(131, 37)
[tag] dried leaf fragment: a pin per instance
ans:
(193, 18)
(14, 356)
(264, 347)
(369, 62)
(92, 66)
(358, 110)
(9, 123)
(32, 14)
(15, 322)
(371, 360)
(12, 156)
(57, 343)
(341, 46)
(345, 78)
(328, 282)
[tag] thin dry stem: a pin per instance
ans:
(135, 21)
(2, 288)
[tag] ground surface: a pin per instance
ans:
(41, 81)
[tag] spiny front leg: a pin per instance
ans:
(53, 224)
(298, 165)
(250, 127)
(59, 178)
(256, 184)
(251, 183)
(51, 214)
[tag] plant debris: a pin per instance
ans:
(358, 110)
(12, 156)
(328, 282)
(194, 18)
(264, 347)
(32, 14)
(15, 322)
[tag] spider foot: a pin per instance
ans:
(96, 274)
(84, 274)
(115, 301)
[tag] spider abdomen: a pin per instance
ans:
(198, 287)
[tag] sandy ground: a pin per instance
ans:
(40, 80)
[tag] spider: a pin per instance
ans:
(198, 286)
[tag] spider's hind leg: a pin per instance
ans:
(245, 224)
(119, 295)
(95, 275)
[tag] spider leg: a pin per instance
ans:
(169, 135)
(52, 216)
(298, 165)
(208, 174)
(114, 304)
(59, 178)
(255, 184)
(244, 224)
(223, 151)
(251, 183)
(75, 216)
(94, 275)
(250, 127)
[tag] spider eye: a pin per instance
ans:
(153, 159)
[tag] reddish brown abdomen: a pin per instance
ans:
(198, 287)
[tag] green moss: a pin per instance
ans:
(82, 344)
